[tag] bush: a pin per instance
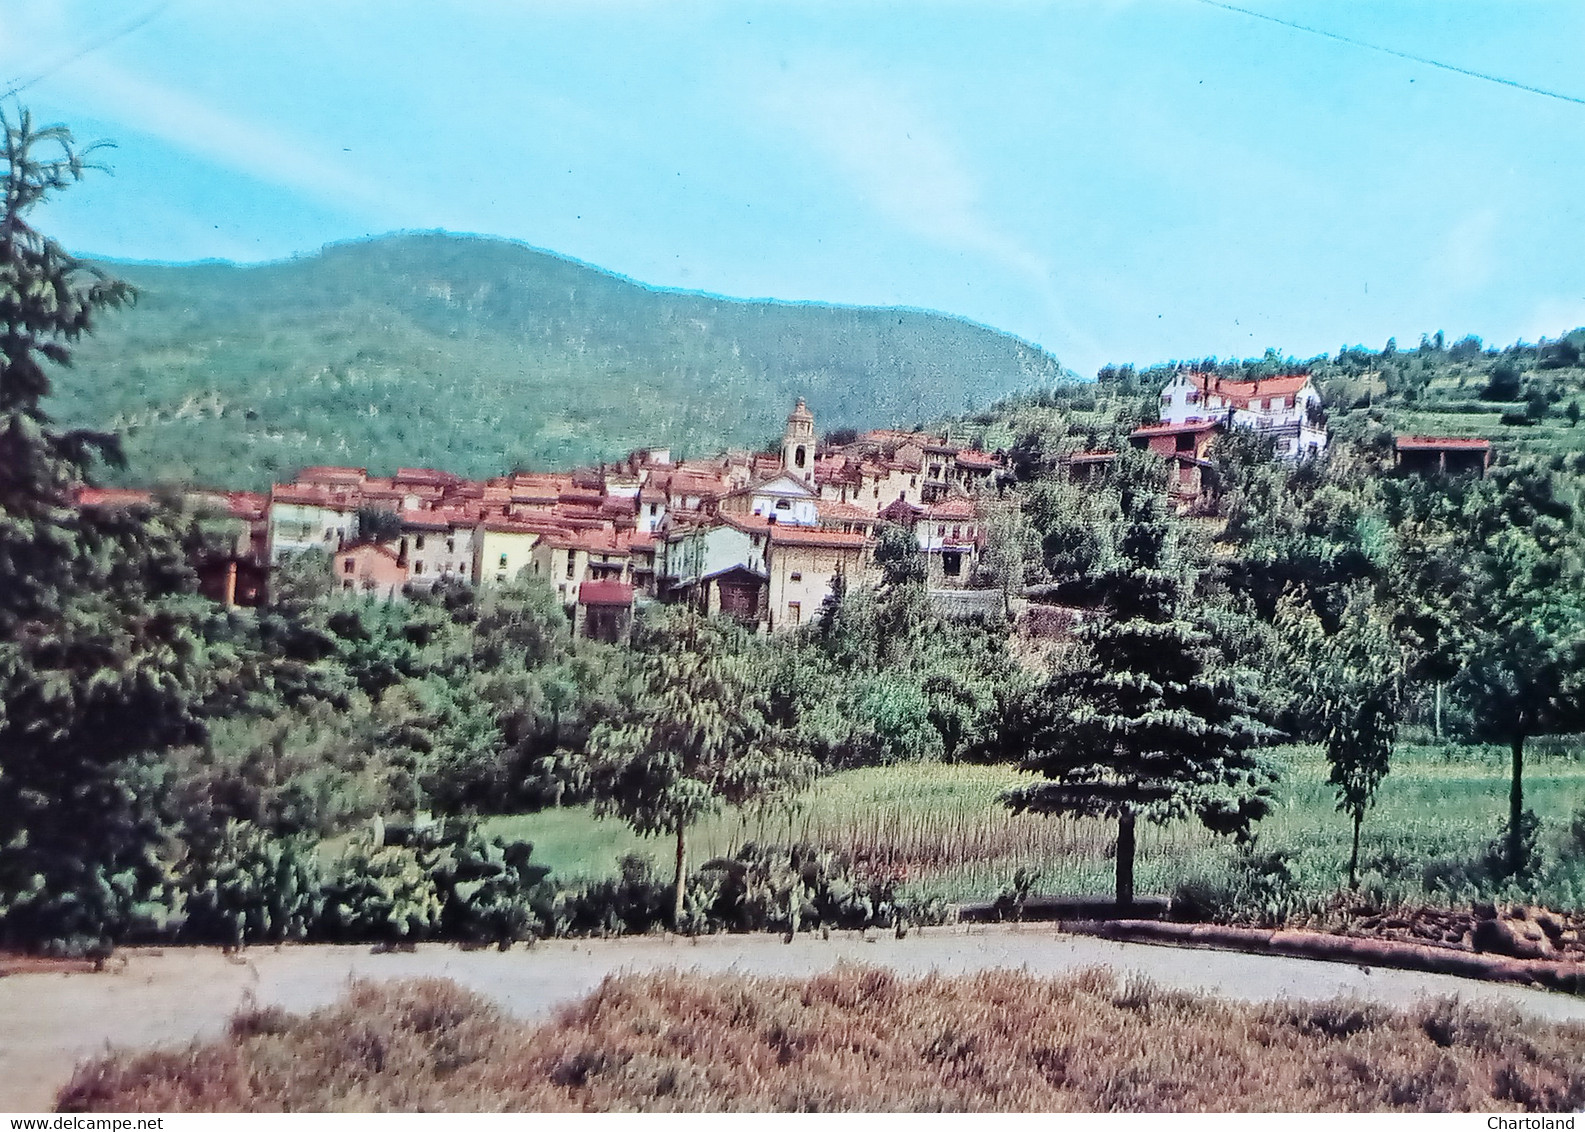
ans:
(804, 888)
(490, 892)
(1495, 861)
(1264, 888)
(637, 901)
(252, 888)
(382, 894)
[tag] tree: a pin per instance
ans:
(1524, 672)
(376, 524)
(1504, 383)
(1148, 721)
(1354, 678)
(694, 736)
(897, 554)
(98, 648)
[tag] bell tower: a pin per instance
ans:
(798, 444)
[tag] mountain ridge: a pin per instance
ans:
(479, 354)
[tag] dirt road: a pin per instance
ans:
(49, 1022)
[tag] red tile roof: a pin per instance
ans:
(426, 476)
(605, 593)
(113, 497)
(951, 510)
(972, 458)
(1240, 392)
(330, 473)
(339, 500)
(831, 511)
(1423, 443)
(1170, 429)
(363, 549)
(817, 536)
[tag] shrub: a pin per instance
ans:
(490, 892)
(804, 888)
(382, 893)
(252, 888)
(636, 901)
(1264, 888)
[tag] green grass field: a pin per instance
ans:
(940, 827)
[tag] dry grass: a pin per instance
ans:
(856, 1039)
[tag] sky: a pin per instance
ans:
(1113, 180)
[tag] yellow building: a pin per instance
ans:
(804, 564)
(502, 549)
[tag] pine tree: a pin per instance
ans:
(96, 650)
(1148, 721)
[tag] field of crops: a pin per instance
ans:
(941, 829)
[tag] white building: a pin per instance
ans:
(1287, 409)
(782, 498)
(310, 518)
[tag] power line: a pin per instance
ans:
(105, 40)
(1397, 54)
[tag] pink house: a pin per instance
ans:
(369, 569)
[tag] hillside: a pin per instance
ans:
(1527, 398)
(479, 355)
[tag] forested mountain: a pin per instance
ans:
(478, 355)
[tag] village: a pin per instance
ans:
(763, 538)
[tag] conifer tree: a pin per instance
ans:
(1147, 721)
(95, 648)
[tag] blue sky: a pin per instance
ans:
(1117, 180)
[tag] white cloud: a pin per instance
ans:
(896, 160)
(44, 39)
(261, 151)
(902, 166)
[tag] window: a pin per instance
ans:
(783, 505)
(952, 563)
(346, 566)
(653, 508)
(913, 481)
(1193, 398)
(572, 564)
(503, 562)
(795, 576)
(500, 576)
(799, 458)
(793, 612)
(330, 533)
(418, 567)
(451, 546)
(957, 533)
(1185, 442)
(346, 584)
